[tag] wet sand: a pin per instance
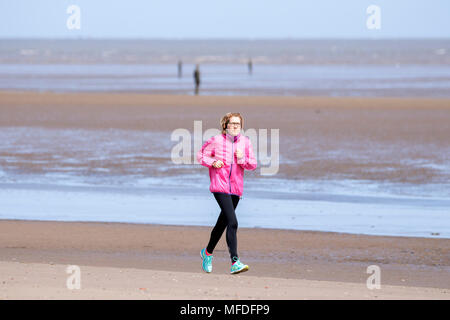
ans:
(155, 261)
(398, 140)
(33, 255)
(295, 115)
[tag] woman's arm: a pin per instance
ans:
(205, 155)
(248, 161)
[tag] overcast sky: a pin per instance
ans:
(248, 19)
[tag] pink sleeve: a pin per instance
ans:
(248, 162)
(205, 155)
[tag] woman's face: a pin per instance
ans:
(234, 126)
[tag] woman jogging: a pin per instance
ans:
(226, 155)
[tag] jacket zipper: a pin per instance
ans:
(231, 169)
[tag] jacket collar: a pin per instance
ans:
(232, 138)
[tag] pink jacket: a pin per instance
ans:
(230, 178)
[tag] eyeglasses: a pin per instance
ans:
(234, 124)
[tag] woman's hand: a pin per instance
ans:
(239, 154)
(217, 164)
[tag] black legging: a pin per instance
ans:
(227, 219)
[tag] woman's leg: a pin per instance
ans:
(227, 219)
(216, 232)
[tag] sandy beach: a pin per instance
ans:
(112, 138)
(374, 139)
(137, 261)
(145, 261)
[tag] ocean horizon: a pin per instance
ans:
(359, 68)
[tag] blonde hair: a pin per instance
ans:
(226, 118)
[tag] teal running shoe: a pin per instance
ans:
(207, 261)
(238, 266)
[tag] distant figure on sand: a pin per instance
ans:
(180, 68)
(197, 78)
(250, 66)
